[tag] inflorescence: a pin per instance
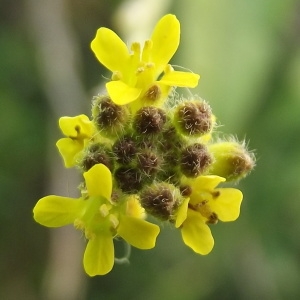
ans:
(145, 151)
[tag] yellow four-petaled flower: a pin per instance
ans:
(206, 204)
(142, 74)
(78, 130)
(100, 218)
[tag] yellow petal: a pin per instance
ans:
(180, 79)
(98, 181)
(227, 204)
(165, 39)
(69, 148)
(56, 211)
(196, 234)
(99, 255)
(134, 208)
(77, 127)
(182, 212)
(137, 232)
(110, 50)
(120, 93)
(207, 183)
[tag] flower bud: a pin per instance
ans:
(232, 160)
(194, 118)
(160, 200)
(97, 154)
(170, 145)
(185, 190)
(124, 149)
(195, 160)
(149, 120)
(153, 93)
(128, 179)
(148, 162)
(109, 117)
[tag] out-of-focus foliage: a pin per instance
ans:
(248, 55)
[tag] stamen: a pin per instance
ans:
(104, 210)
(114, 221)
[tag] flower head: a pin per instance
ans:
(140, 154)
(136, 72)
(77, 130)
(101, 219)
(206, 205)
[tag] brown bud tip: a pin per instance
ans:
(149, 120)
(128, 179)
(194, 118)
(195, 159)
(159, 200)
(97, 154)
(124, 149)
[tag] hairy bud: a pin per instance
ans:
(194, 118)
(97, 154)
(149, 120)
(160, 200)
(109, 117)
(124, 149)
(128, 179)
(232, 160)
(195, 160)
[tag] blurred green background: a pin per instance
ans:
(248, 55)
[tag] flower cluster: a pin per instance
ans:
(145, 151)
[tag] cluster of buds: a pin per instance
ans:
(146, 150)
(151, 152)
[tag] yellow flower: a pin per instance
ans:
(101, 219)
(206, 205)
(136, 73)
(78, 130)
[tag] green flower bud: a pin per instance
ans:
(232, 160)
(110, 118)
(170, 144)
(170, 174)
